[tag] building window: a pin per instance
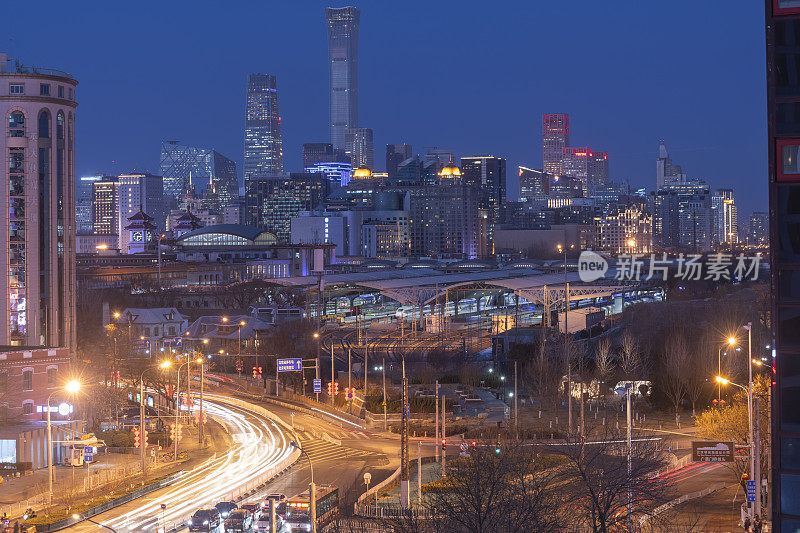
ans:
(17, 88)
(61, 91)
(171, 330)
(27, 380)
(146, 332)
(44, 89)
(70, 93)
(52, 375)
(16, 124)
(60, 125)
(27, 407)
(44, 125)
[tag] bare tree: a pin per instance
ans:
(542, 374)
(674, 365)
(697, 372)
(630, 356)
(599, 494)
(604, 365)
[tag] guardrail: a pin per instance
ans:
(379, 486)
(683, 499)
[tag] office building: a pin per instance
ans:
(270, 202)
(488, 174)
(359, 148)
(597, 171)
(320, 228)
(343, 71)
(445, 221)
(314, 153)
(186, 167)
(682, 216)
(783, 130)
(666, 170)
(555, 139)
(337, 173)
(386, 234)
(37, 229)
(625, 230)
(575, 164)
(724, 215)
(263, 147)
(138, 192)
(396, 154)
(758, 234)
(105, 209)
(83, 203)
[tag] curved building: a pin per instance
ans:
(37, 217)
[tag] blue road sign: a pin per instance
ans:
(290, 365)
(172, 341)
(317, 385)
(751, 490)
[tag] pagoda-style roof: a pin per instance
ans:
(140, 220)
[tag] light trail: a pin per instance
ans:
(259, 445)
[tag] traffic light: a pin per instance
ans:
(144, 439)
(336, 388)
(176, 434)
(255, 372)
(135, 431)
(474, 443)
(330, 388)
(743, 481)
(444, 444)
(497, 448)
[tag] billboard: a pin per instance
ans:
(712, 451)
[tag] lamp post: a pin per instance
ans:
(749, 391)
(142, 454)
(239, 332)
(316, 337)
(201, 433)
(566, 333)
(72, 388)
(731, 342)
(312, 489)
(177, 405)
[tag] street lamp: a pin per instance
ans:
(566, 333)
(749, 392)
(82, 517)
(72, 388)
(312, 489)
(731, 340)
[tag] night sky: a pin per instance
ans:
(474, 77)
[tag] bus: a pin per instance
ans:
(297, 517)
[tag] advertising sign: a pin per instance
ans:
(712, 451)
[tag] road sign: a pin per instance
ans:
(751, 490)
(290, 365)
(88, 456)
(317, 385)
(712, 451)
(172, 341)
(464, 446)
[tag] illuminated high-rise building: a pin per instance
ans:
(488, 174)
(263, 148)
(555, 138)
(360, 148)
(343, 26)
(37, 226)
(105, 213)
(575, 164)
(184, 167)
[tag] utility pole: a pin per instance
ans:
(628, 388)
(751, 412)
(444, 437)
(757, 457)
(436, 411)
(201, 433)
(404, 477)
(143, 441)
(419, 473)
(366, 371)
(383, 370)
(333, 374)
(350, 380)
(177, 408)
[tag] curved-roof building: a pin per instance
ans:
(227, 235)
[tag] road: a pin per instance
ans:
(259, 444)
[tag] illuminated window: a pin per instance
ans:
(16, 124)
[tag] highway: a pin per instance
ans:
(259, 445)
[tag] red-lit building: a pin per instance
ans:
(576, 164)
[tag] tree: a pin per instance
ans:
(542, 374)
(697, 373)
(507, 491)
(603, 364)
(595, 484)
(673, 371)
(630, 357)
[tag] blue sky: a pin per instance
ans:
(474, 77)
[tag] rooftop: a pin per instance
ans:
(14, 66)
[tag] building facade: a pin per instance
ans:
(488, 175)
(396, 154)
(186, 167)
(725, 227)
(626, 230)
(343, 25)
(271, 202)
(138, 192)
(83, 203)
(666, 170)
(575, 164)
(315, 153)
(555, 138)
(105, 216)
(263, 147)
(758, 233)
(37, 228)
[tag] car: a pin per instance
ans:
(225, 508)
(240, 520)
(254, 508)
(205, 520)
(263, 526)
(275, 496)
(472, 398)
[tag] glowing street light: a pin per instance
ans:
(71, 387)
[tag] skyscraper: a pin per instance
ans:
(37, 226)
(759, 228)
(202, 167)
(597, 170)
(104, 206)
(396, 154)
(263, 148)
(314, 153)
(724, 214)
(575, 163)
(555, 138)
(359, 147)
(665, 170)
(343, 57)
(137, 192)
(488, 174)
(83, 203)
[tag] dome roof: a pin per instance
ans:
(362, 172)
(450, 170)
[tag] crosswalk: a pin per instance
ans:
(338, 435)
(320, 450)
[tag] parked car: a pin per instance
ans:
(240, 521)
(262, 526)
(205, 520)
(225, 508)
(254, 508)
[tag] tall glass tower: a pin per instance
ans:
(343, 54)
(263, 148)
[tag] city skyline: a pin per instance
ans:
(700, 131)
